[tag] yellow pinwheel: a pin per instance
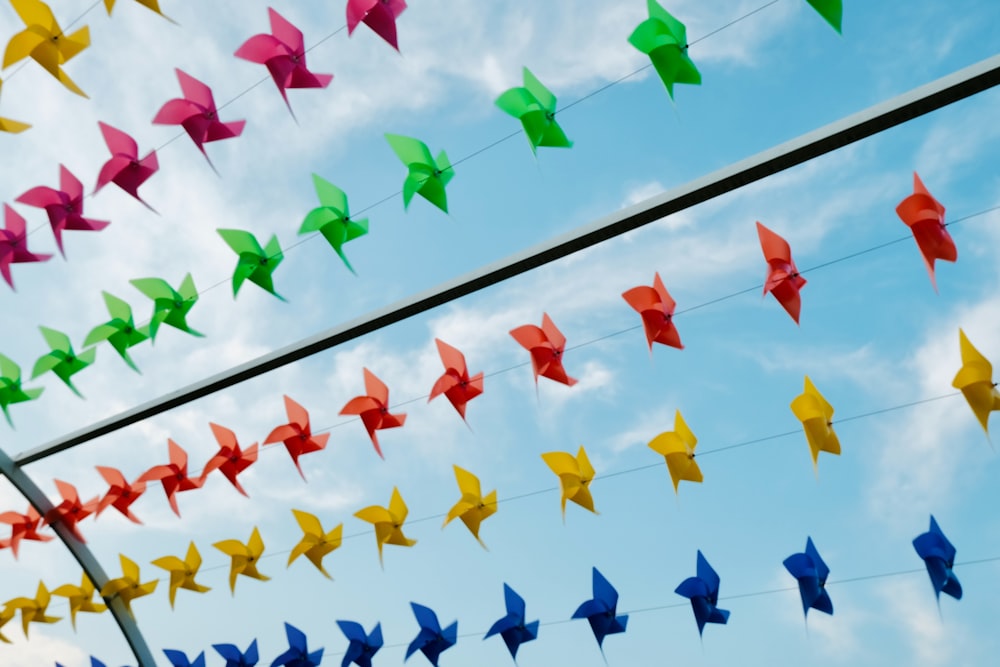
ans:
(43, 41)
(388, 522)
(128, 587)
(182, 572)
(152, 5)
(80, 598)
(575, 475)
(32, 609)
(244, 557)
(473, 508)
(975, 380)
(677, 447)
(6, 616)
(11, 126)
(315, 543)
(815, 413)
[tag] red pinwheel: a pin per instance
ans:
(656, 307)
(120, 493)
(455, 383)
(125, 169)
(173, 476)
(71, 510)
(546, 345)
(297, 435)
(230, 459)
(24, 527)
(373, 408)
(380, 15)
(283, 53)
(14, 244)
(64, 207)
(924, 215)
(783, 279)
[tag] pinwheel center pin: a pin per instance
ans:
(70, 358)
(127, 330)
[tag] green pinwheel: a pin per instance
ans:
(170, 306)
(332, 218)
(427, 176)
(664, 39)
(832, 11)
(535, 106)
(120, 332)
(62, 360)
(255, 264)
(11, 391)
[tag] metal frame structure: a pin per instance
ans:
(888, 114)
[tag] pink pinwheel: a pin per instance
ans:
(64, 207)
(14, 244)
(380, 15)
(284, 54)
(125, 169)
(196, 113)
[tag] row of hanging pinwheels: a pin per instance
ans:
(808, 569)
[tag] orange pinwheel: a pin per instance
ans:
(656, 307)
(71, 510)
(297, 435)
(455, 383)
(230, 460)
(783, 279)
(24, 527)
(373, 408)
(173, 476)
(120, 494)
(546, 345)
(924, 215)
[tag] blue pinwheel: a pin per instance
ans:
(601, 610)
(363, 647)
(180, 659)
(432, 641)
(939, 557)
(703, 591)
(512, 627)
(811, 572)
(298, 654)
(236, 658)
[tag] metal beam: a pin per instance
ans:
(83, 555)
(917, 102)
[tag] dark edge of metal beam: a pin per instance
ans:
(896, 111)
(83, 555)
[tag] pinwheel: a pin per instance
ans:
(816, 414)
(455, 383)
(152, 5)
(975, 380)
(432, 641)
(472, 508)
(44, 41)
(297, 435)
(64, 207)
(120, 331)
(234, 657)
(11, 391)
(333, 219)
(513, 627)
(6, 616)
(388, 522)
(427, 176)
(315, 543)
(924, 215)
(12, 126)
(71, 510)
(33, 610)
(703, 592)
(128, 587)
(677, 448)
(170, 306)
(373, 408)
(575, 475)
(535, 106)
(255, 263)
(244, 558)
(120, 494)
(182, 572)
(546, 345)
(24, 527)
(62, 360)
(783, 279)
(125, 169)
(939, 558)
(664, 39)
(362, 647)
(173, 476)
(379, 15)
(656, 307)
(80, 598)
(230, 460)
(14, 244)
(601, 611)
(180, 659)
(811, 572)
(832, 11)
(298, 654)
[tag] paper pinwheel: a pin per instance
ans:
(703, 591)
(297, 434)
(472, 508)
(315, 543)
(600, 611)
(120, 331)
(379, 15)
(811, 572)
(234, 657)
(546, 345)
(180, 659)
(575, 476)
(182, 572)
(298, 654)
(128, 586)
(255, 263)
(664, 39)
(62, 360)
(939, 557)
(427, 176)
(783, 279)
(332, 218)
(975, 380)
(656, 307)
(124, 168)
(170, 306)
(80, 598)
(230, 460)
(455, 383)
(12, 126)
(71, 510)
(815, 413)
(6, 616)
(44, 41)
(432, 641)
(535, 106)
(33, 610)
(388, 522)
(11, 391)
(244, 558)
(14, 244)
(64, 207)
(152, 5)
(513, 628)
(924, 215)
(173, 476)
(283, 52)
(196, 113)
(362, 648)
(120, 494)
(832, 11)
(373, 408)
(677, 447)
(24, 527)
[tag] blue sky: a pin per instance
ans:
(873, 332)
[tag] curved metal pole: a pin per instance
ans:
(83, 555)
